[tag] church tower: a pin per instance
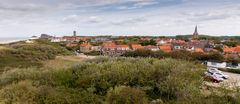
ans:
(195, 34)
(75, 33)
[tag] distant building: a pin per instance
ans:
(152, 48)
(166, 48)
(85, 47)
(137, 46)
(74, 33)
(34, 37)
(96, 48)
(29, 41)
(100, 39)
(45, 36)
(57, 39)
(195, 34)
(111, 49)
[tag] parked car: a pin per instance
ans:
(221, 75)
(213, 77)
(214, 70)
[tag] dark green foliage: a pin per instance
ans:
(181, 54)
(126, 95)
(146, 42)
(93, 53)
(231, 43)
(145, 53)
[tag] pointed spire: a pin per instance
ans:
(195, 34)
(196, 29)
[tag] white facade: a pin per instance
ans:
(161, 42)
(123, 48)
(217, 64)
(96, 48)
(29, 41)
(56, 39)
(154, 49)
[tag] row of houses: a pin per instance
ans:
(164, 44)
(112, 49)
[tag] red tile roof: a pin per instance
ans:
(110, 47)
(166, 48)
(122, 46)
(137, 46)
(151, 47)
(109, 43)
(200, 50)
(85, 45)
(237, 49)
(231, 49)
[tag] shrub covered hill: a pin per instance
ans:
(112, 81)
(21, 54)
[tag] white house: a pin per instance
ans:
(161, 42)
(217, 64)
(152, 48)
(29, 41)
(57, 39)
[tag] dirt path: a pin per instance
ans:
(79, 57)
(234, 79)
(86, 57)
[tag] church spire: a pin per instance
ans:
(195, 34)
(196, 29)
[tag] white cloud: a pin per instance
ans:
(170, 17)
(70, 19)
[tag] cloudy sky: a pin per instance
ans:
(23, 18)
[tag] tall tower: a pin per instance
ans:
(74, 33)
(195, 34)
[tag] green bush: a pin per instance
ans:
(180, 54)
(126, 95)
(104, 80)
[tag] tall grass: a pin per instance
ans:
(29, 55)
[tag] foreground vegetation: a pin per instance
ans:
(27, 55)
(111, 81)
(181, 54)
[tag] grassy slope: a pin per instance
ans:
(29, 55)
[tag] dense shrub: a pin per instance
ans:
(93, 53)
(112, 81)
(145, 53)
(126, 95)
(181, 54)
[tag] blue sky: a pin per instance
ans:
(23, 18)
